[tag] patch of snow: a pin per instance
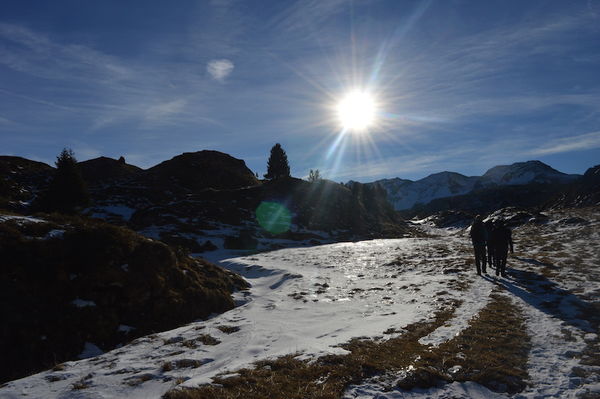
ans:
(123, 211)
(82, 303)
(56, 233)
(90, 350)
(455, 390)
(474, 300)
(126, 329)
(21, 219)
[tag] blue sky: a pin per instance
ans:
(460, 85)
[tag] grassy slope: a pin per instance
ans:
(121, 278)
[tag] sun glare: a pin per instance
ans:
(356, 111)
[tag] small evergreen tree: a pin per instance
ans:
(67, 190)
(277, 166)
(314, 176)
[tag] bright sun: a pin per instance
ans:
(356, 111)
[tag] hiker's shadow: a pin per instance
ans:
(540, 292)
(535, 262)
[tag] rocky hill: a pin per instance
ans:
(207, 199)
(20, 180)
(71, 288)
(404, 194)
(104, 170)
(584, 192)
(193, 171)
(289, 209)
(525, 173)
(170, 181)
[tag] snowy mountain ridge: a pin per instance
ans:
(404, 194)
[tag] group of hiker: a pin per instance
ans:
(491, 242)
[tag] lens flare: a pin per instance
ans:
(273, 217)
(356, 111)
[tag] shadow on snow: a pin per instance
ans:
(545, 295)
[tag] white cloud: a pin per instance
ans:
(219, 69)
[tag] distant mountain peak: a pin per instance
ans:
(404, 194)
(524, 173)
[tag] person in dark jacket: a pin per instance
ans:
(478, 238)
(489, 226)
(501, 240)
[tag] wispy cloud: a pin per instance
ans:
(35, 54)
(7, 122)
(219, 69)
(164, 110)
(301, 14)
(85, 85)
(388, 167)
(411, 164)
(580, 142)
(483, 73)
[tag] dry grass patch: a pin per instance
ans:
(136, 380)
(59, 367)
(180, 364)
(228, 329)
(591, 354)
(459, 285)
(327, 376)
(82, 383)
(208, 339)
(492, 351)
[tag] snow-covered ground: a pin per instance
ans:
(310, 300)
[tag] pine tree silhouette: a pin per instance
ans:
(277, 166)
(67, 191)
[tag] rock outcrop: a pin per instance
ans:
(584, 192)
